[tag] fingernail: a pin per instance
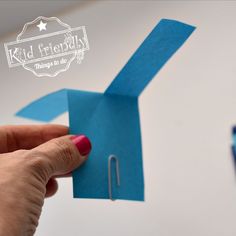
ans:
(82, 143)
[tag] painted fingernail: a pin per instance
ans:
(82, 143)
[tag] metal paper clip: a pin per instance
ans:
(110, 176)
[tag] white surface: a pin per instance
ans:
(186, 112)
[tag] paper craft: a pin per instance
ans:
(111, 119)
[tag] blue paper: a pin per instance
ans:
(154, 52)
(112, 124)
(111, 119)
(46, 108)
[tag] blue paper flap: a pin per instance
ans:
(165, 39)
(47, 107)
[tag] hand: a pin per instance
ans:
(31, 157)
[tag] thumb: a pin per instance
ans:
(62, 155)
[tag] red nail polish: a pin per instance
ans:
(82, 143)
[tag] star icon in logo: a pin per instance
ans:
(42, 26)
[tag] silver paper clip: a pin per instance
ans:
(110, 176)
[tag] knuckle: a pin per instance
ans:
(35, 159)
(36, 163)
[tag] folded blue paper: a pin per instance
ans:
(111, 119)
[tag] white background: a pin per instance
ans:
(187, 113)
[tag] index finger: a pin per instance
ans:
(14, 137)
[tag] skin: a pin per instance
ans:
(30, 159)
